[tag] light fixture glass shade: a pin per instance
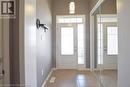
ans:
(72, 7)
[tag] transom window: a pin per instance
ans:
(70, 19)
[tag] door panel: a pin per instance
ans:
(70, 42)
(110, 39)
(67, 52)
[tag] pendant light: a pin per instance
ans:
(72, 7)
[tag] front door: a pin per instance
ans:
(67, 52)
(110, 40)
(70, 42)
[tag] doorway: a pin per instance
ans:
(70, 41)
(107, 41)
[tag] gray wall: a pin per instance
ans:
(92, 3)
(44, 41)
(124, 43)
(14, 47)
(61, 7)
(108, 7)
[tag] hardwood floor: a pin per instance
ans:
(73, 78)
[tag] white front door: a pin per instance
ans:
(70, 42)
(110, 40)
(67, 46)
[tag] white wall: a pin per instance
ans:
(35, 53)
(44, 41)
(28, 61)
(30, 43)
(124, 43)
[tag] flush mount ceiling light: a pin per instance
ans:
(72, 7)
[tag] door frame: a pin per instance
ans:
(84, 22)
(92, 39)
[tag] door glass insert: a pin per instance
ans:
(100, 43)
(67, 41)
(70, 19)
(81, 45)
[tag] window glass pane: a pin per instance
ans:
(112, 40)
(81, 46)
(70, 20)
(79, 20)
(100, 44)
(67, 41)
(60, 20)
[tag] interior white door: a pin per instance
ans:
(1, 58)
(110, 40)
(67, 46)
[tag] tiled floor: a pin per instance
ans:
(73, 78)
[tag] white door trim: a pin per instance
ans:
(57, 47)
(92, 53)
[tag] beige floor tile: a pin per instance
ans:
(73, 78)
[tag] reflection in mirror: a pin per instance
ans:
(106, 43)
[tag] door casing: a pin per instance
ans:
(77, 66)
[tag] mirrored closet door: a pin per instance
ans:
(106, 43)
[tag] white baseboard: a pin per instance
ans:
(49, 75)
